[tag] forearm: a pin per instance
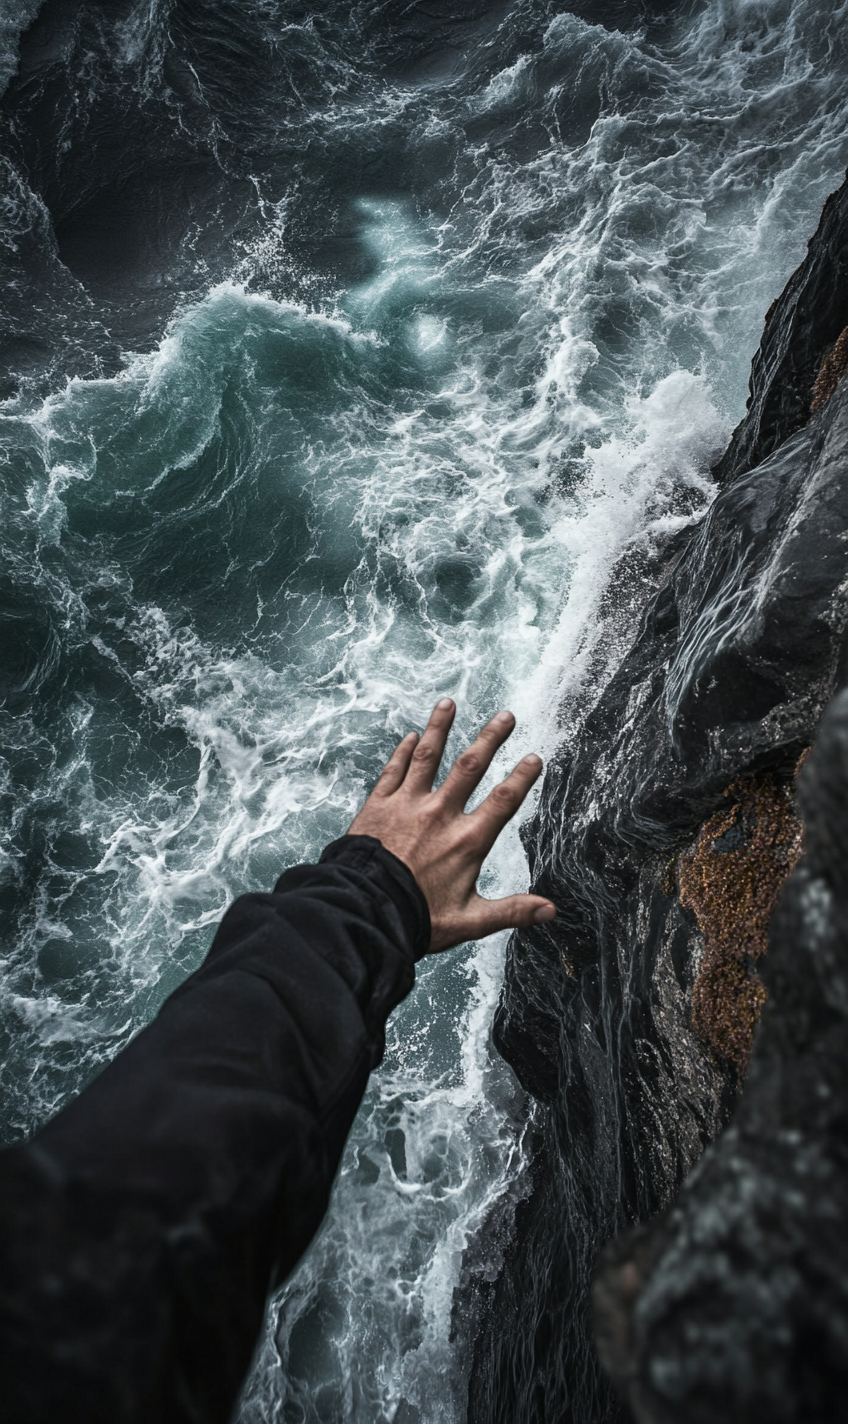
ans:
(191, 1175)
(143, 1227)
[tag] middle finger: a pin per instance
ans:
(469, 769)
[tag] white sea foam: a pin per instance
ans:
(15, 17)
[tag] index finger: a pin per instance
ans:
(502, 803)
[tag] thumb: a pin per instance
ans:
(512, 913)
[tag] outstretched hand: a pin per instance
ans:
(443, 845)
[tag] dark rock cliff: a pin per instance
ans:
(665, 832)
(734, 1305)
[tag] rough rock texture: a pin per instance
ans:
(664, 833)
(801, 326)
(731, 879)
(734, 1306)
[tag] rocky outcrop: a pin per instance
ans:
(801, 330)
(665, 832)
(734, 1306)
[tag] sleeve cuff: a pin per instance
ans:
(371, 857)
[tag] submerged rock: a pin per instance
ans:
(665, 831)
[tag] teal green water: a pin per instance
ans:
(236, 571)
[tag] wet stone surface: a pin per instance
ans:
(664, 834)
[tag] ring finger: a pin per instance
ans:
(428, 754)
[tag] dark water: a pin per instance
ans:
(345, 349)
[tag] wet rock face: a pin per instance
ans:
(735, 1304)
(665, 832)
(801, 330)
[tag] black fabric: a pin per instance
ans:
(142, 1228)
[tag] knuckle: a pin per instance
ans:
(503, 797)
(423, 753)
(467, 763)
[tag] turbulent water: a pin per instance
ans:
(346, 349)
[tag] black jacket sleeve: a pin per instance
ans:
(142, 1228)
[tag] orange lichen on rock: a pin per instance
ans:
(831, 370)
(731, 879)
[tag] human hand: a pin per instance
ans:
(442, 845)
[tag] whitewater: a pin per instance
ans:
(482, 323)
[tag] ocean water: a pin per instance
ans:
(347, 349)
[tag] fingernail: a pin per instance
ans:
(532, 760)
(504, 717)
(544, 912)
(444, 703)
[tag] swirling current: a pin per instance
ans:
(346, 349)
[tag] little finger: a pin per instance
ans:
(397, 766)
